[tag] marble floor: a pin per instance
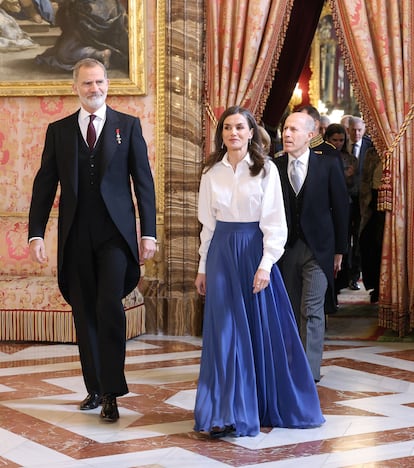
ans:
(366, 393)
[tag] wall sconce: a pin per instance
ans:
(296, 98)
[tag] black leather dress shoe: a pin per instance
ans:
(109, 411)
(92, 401)
(219, 432)
(354, 286)
(374, 296)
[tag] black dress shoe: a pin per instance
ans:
(374, 296)
(354, 286)
(109, 411)
(92, 401)
(218, 432)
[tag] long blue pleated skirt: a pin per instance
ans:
(253, 372)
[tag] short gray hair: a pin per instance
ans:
(355, 120)
(88, 63)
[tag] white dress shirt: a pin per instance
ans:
(235, 196)
(98, 122)
(355, 148)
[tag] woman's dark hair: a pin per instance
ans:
(333, 128)
(255, 145)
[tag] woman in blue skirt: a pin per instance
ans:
(253, 371)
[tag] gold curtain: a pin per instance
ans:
(377, 43)
(243, 43)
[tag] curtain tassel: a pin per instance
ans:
(385, 189)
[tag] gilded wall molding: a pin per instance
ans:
(314, 65)
(160, 111)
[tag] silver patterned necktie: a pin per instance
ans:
(296, 175)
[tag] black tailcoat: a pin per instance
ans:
(124, 157)
(325, 205)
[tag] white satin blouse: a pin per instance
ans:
(236, 196)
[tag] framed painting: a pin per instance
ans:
(329, 85)
(38, 56)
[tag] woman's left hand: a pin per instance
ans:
(200, 283)
(261, 280)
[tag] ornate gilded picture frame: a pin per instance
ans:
(31, 66)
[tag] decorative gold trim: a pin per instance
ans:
(351, 69)
(326, 10)
(160, 112)
(154, 268)
(267, 85)
(24, 214)
(135, 84)
(57, 326)
(314, 65)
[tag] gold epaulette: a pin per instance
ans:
(316, 141)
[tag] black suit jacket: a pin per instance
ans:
(365, 144)
(123, 159)
(324, 217)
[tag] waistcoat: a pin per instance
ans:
(92, 214)
(295, 207)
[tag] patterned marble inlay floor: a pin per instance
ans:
(367, 396)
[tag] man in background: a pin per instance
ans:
(320, 146)
(316, 204)
(318, 143)
(357, 146)
(324, 123)
(345, 123)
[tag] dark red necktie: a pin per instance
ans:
(91, 133)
